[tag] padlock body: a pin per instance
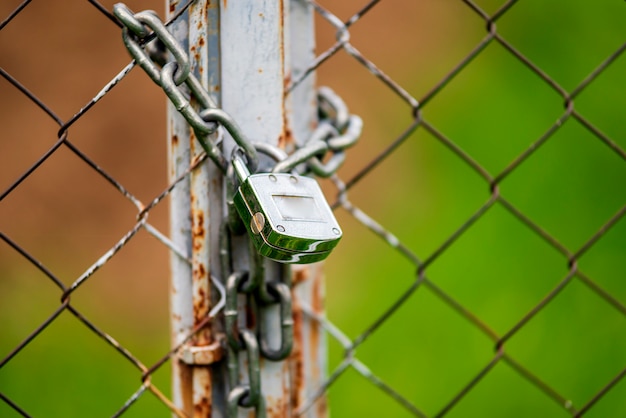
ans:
(288, 217)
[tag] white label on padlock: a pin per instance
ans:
(300, 208)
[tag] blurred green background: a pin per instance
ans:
(499, 269)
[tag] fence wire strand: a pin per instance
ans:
(349, 360)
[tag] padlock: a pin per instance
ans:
(287, 216)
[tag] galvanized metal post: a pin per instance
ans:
(264, 45)
(195, 213)
(253, 89)
(245, 54)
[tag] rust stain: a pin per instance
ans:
(296, 360)
(175, 139)
(173, 7)
(286, 140)
(314, 350)
(317, 303)
(195, 159)
(285, 400)
(204, 336)
(276, 408)
(250, 316)
(197, 229)
(287, 81)
(202, 293)
(300, 275)
(186, 386)
(198, 226)
(193, 143)
(203, 408)
(199, 272)
(200, 305)
(201, 40)
(318, 290)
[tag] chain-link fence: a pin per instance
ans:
(490, 171)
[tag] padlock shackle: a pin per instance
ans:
(239, 165)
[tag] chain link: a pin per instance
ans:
(281, 293)
(270, 293)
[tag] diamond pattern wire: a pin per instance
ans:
(343, 202)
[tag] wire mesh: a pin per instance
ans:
(522, 302)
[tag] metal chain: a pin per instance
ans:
(337, 130)
(238, 340)
(175, 73)
(262, 294)
(270, 293)
(251, 283)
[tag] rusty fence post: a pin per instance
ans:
(245, 54)
(195, 213)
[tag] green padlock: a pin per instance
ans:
(287, 215)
